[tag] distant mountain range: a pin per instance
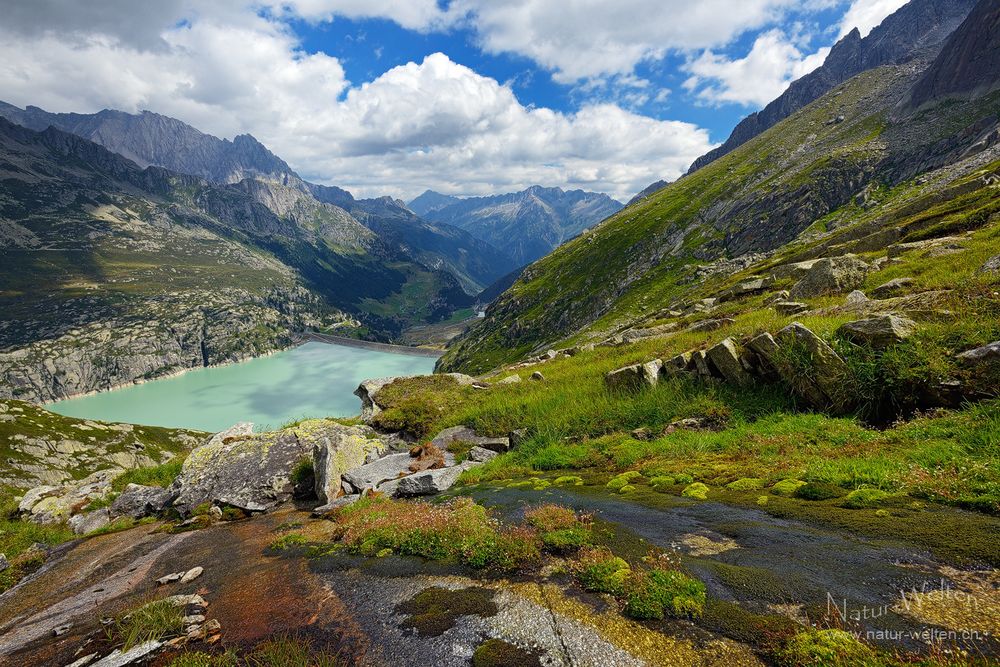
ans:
(149, 139)
(526, 225)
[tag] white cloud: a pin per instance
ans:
(433, 124)
(867, 14)
(582, 39)
(756, 79)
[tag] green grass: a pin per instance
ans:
(17, 537)
(156, 620)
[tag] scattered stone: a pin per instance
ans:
(856, 298)
(510, 379)
(119, 659)
(892, 288)
(725, 358)
(677, 364)
(878, 332)
(787, 308)
(465, 435)
(537, 376)
(710, 325)
(192, 574)
(747, 287)
(341, 449)
(992, 265)
(169, 579)
(138, 501)
(81, 524)
(481, 454)
(981, 355)
(634, 377)
(831, 275)
(781, 295)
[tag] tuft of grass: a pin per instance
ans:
(830, 648)
(156, 620)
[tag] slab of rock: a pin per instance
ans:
(992, 265)
(251, 471)
(81, 524)
(781, 295)
(465, 435)
(795, 270)
(894, 287)
(634, 377)
(51, 505)
(898, 249)
(138, 501)
(878, 332)
(118, 658)
(192, 574)
(829, 372)
(481, 454)
(725, 358)
(336, 503)
(677, 365)
(338, 450)
(510, 379)
(710, 325)
(790, 307)
(831, 275)
(431, 482)
(370, 475)
(747, 287)
(987, 354)
(368, 391)
(700, 362)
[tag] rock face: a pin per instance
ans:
(81, 524)
(831, 275)
(251, 471)
(338, 450)
(878, 332)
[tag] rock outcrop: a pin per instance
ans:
(338, 450)
(878, 332)
(831, 275)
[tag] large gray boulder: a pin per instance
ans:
(987, 354)
(431, 482)
(725, 358)
(894, 287)
(81, 524)
(634, 377)
(464, 435)
(828, 372)
(371, 475)
(831, 275)
(251, 471)
(138, 501)
(878, 332)
(338, 449)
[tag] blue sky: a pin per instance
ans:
(461, 96)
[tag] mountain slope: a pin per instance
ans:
(111, 272)
(152, 139)
(526, 225)
(918, 25)
(841, 169)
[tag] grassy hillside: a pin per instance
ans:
(840, 169)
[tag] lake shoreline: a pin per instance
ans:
(372, 345)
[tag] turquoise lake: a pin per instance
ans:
(312, 380)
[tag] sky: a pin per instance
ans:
(466, 97)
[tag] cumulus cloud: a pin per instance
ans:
(867, 14)
(772, 63)
(430, 124)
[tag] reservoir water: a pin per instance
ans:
(312, 380)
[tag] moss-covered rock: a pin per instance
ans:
(697, 490)
(830, 648)
(747, 484)
(865, 498)
(787, 487)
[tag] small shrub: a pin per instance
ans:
(600, 571)
(561, 529)
(787, 487)
(829, 648)
(865, 498)
(819, 491)
(698, 491)
(747, 484)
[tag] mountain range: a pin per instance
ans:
(526, 225)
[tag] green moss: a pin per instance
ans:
(865, 498)
(658, 593)
(819, 491)
(498, 653)
(288, 541)
(698, 491)
(624, 479)
(568, 480)
(434, 610)
(787, 487)
(830, 648)
(747, 484)
(601, 571)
